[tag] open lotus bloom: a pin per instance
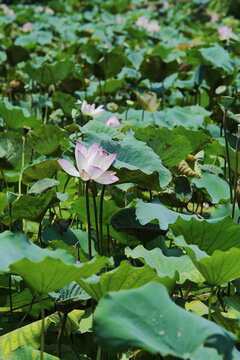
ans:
(226, 33)
(27, 27)
(90, 110)
(113, 121)
(92, 164)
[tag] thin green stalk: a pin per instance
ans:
(108, 241)
(10, 300)
(126, 112)
(227, 152)
(4, 179)
(210, 303)
(89, 221)
(96, 218)
(23, 160)
(101, 219)
(99, 353)
(163, 96)
(45, 116)
(42, 329)
(142, 115)
(10, 217)
(60, 334)
(235, 177)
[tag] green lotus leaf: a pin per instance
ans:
(216, 187)
(40, 170)
(166, 329)
(125, 277)
(167, 266)
(15, 117)
(217, 269)
(147, 212)
(26, 353)
(43, 270)
(209, 235)
(47, 139)
(171, 148)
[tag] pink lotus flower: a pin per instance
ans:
(118, 20)
(214, 17)
(91, 164)
(89, 110)
(153, 26)
(166, 5)
(5, 8)
(113, 121)
(225, 33)
(49, 11)
(142, 21)
(39, 9)
(27, 27)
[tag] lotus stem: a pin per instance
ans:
(23, 160)
(42, 329)
(94, 191)
(101, 219)
(142, 115)
(99, 353)
(227, 152)
(60, 334)
(89, 221)
(10, 300)
(210, 303)
(235, 177)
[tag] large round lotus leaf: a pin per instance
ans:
(10, 113)
(43, 270)
(40, 170)
(147, 212)
(32, 207)
(167, 266)
(136, 162)
(125, 221)
(218, 57)
(170, 147)
(167, 329)
(217, 269)
(191, 117)
(198, 139)
(216, 187)
(209, 235)
(11, 150)
(48, 74)
(42, 186)
(47, 140)
(125, 277)
(26, 353)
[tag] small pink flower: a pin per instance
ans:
(225, 33)
(153, 26)
(92, 164)
(166, 5)
(5, 8)
(89, 110)
(27, 27)
(142, 21)
(118, 20)
(214, 17)
(113, 121)
(39, 9)
(149, 7)
(107, 45)
(10, 12)
(49, 11)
